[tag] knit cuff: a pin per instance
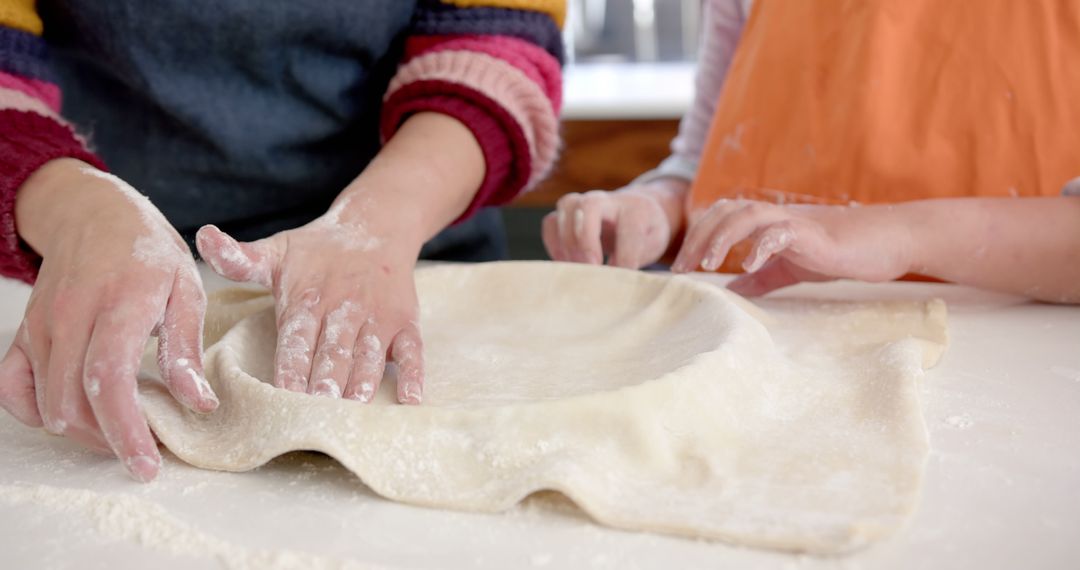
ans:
(674, 166)
(506, 150)
(528, 58)
(47, 93)
(506, 86)
(28, 140)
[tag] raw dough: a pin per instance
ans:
(654, 403)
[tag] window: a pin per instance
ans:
(626, 31)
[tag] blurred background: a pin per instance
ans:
(628, 80)
(624, 31)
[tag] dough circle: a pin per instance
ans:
(654, 403)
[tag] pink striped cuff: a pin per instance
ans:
(44, 91)
(17, 100)
(506, 152)
(28, 139)
(502, 83)
(532, 60)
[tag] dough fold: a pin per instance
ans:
(655, 403)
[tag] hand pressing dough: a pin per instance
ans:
(655, 403)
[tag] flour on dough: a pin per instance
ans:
(654, 403)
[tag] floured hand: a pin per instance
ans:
(792, 244)
(633, 226)
(346, 301)
(114, 272)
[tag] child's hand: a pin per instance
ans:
(633, 226)
(791, 244)
(114, 272)
(346, 301)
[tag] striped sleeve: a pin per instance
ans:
(495, 65)
(31, 130)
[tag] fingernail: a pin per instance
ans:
(293, 382)
(753, 263)
(411, 394)
(579, 223)
(327, 387)
(143, 467)
(56, 427)
(710, 263)
(367, 392)
(208, 400)
(210, 403)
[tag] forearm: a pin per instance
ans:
(1026, 246)
(423, 179)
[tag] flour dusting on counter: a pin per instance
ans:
(140, 521)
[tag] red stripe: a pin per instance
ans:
(44, 91)
(505, 148)
(27, 141)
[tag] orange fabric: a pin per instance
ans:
(834, 101)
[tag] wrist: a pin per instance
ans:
(669, 194)
(42, 203)
(423, 179)
(54, 202)
(912, 221)
(382, 210)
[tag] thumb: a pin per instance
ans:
(233, 260)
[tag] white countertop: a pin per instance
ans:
(1002, 486)
(627, 91)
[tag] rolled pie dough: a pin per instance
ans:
(655, 403)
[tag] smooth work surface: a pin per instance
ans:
(1002, 484)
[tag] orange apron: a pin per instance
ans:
(839, 101)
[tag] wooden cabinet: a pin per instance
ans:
(596, 154)
(602, 154)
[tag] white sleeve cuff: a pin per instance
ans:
(674, 166)
(1072, 188)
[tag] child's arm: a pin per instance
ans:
(102, 282)
(1027, 246)
(470, 120)
(495, 67)
(635, 225)
(32, 132)
(343, 283)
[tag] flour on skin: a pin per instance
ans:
(349, 235)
